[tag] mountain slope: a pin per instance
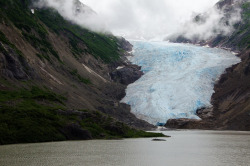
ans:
(231, 99)
(55, 79)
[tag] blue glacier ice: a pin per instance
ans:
(178, 79)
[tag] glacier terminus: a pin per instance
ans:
(178, 79)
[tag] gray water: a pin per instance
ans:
(187, 148)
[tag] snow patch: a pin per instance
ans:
(51, 76)
(94, 73)
(32, 11)
(120, 67)
(207, 46)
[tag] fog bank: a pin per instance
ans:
(144, 19)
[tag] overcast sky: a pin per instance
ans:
(150, 19)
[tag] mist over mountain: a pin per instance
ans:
(77, 12)
(136, 19)
(222, 19)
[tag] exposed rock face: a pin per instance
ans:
(125, 44)
(180, 39)
(205, 113)
(14, 65)
(223, 3)
(122, 113)
(231, 99)
(182, 123)
(127, 74)
(81, 8)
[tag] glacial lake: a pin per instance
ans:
(185, 147)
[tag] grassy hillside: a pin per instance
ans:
(99, 45)
(18, 13)
(245, 40)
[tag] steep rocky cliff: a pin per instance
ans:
(231, 99)
(55, 78)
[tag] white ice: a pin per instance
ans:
(178, 79)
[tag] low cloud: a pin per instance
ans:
(145, 19)
(75, 11)
(215, 21)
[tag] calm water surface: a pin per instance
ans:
(187, 148)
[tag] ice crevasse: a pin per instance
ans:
(178, 79)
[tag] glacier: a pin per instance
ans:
(178, 79)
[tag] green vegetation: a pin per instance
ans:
(33, 94)
(245, 40)
(35, 33)
(75, 49)
(4, 40)
(18, 13)
(31, 115)
(79, 77)
(241, 37)
(246, 12)
(5, 51)
(43, 45)
(42, 57)
(27, 115)
(99, 45)
(103, 126)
